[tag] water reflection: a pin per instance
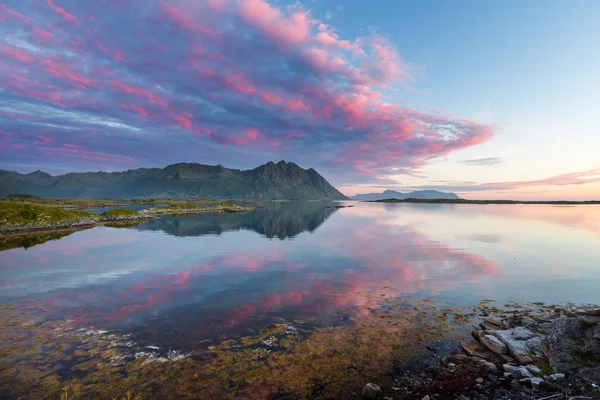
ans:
(281, 221)
(173, 280)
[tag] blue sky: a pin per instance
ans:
(487, 99)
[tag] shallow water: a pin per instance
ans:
(181, 281)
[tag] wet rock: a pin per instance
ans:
(479, 380)
(494, 344)
(371, 391)
(426, 398)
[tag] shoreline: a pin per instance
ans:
(483, 202)
(398, 353)
(94, 220)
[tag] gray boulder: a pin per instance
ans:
(516, 341)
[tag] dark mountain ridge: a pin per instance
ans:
(418, 194)
(284, 180)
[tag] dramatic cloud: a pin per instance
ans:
(123, 84)
(484, 162)
(574, 178)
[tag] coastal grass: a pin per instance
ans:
(15, 215)
(120, 212)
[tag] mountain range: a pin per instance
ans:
(419, 194)
(284, 180)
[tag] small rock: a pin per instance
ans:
(522, 333)
(492, 324)
(463, 397)
(426, 398)
(490, 367)
(535, 382)
(556, 377)
(528, 322)
(509, 368)
(370, 391)
(492, 378)
(521, 372)
(451, 365)
(516, 374)
(534, 370)
(494, 344)
(479, 380)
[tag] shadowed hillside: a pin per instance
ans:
(269, 181)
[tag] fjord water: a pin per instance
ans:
(189, 279)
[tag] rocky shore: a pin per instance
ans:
(554, 355)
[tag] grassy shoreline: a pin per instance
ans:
(40, 215)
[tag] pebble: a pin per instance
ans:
(426, 398)
(479, 380)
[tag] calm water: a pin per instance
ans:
(134, 207)
(182, 280)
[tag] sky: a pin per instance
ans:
(484, 99)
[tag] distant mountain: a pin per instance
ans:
(419, 194)
(281, 221)
(185, 180)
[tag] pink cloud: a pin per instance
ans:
(145, 93)
(6, 12)
(294, 29)
(17, 54)
(252, 134)
(42, 34)
(65, 71)
(62, 12)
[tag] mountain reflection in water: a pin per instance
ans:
(281, 221)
